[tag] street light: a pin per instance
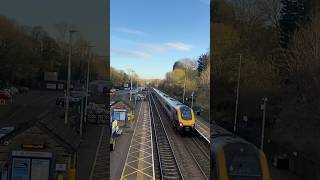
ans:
(192, 99)
(131, 72)
(69, 76)
(237, 98)
(184, 86)
(87, 83)
(264, 108)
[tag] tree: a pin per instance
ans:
(293, 13)
(203, 61)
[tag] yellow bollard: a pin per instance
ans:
(72, 174)
(60, 177)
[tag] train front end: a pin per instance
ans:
(241, 161)
(186, 119)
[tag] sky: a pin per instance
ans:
(90, 16)
(148, 36)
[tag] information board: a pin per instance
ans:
(20, 169)
(40, 169)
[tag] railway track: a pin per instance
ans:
(200, 153)
(168, 165)
(197, 146)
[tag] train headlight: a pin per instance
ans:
(180, 124)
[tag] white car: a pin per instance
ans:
(14, 90)
(9, 91)
(140, 97)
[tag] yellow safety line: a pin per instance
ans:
(131, 143)
(142, 140)
(140, 164)
(139, 170)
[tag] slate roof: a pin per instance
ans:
(52, 125)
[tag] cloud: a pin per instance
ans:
(135, 54)
(179, 46)
(162, 47)
(131, 31)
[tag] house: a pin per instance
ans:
(40, 146)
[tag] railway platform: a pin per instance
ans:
(203, 128)
(139, 163)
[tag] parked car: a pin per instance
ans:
(14, 90)
(6, 130)
(4, 95)
(140, 97)
(9, 91)
(72, 100)
(23, 89)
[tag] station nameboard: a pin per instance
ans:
(32, 154)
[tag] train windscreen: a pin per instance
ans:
(242, 162)
(186, 113)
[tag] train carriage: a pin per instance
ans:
(181, 116)
(233, 158)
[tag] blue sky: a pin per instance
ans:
(148, 36)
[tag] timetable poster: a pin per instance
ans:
(40, 169)
(20, 169)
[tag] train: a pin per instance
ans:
(233, 158)
(181, 116)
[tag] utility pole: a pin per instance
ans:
(130, 86)
(184, 86)
(81, 113)
(130, 72)
(87, 84)
(192, 99)
(137, 83)
(264, 108)
(237, 98)
(69, 77)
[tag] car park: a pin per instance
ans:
(23, 89)
(14, 90)
(5, 94)
(6, 130)
(140, 97)
(7, 90)
(72, 100)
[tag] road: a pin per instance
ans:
(29, 106)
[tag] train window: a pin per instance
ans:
(186, 113)
(168, 107)
(242, 162)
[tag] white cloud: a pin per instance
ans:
(131, 31)
(162, 47)
(135, 54)
(179, 46)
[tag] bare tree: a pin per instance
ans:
(270, 11)
(303, 61)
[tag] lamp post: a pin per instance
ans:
(130, 72)
(192, 99)
(69, 76)
(184, 87)
(87, 84)
(237, 98)
(264, 108)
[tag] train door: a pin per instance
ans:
(175, 120)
